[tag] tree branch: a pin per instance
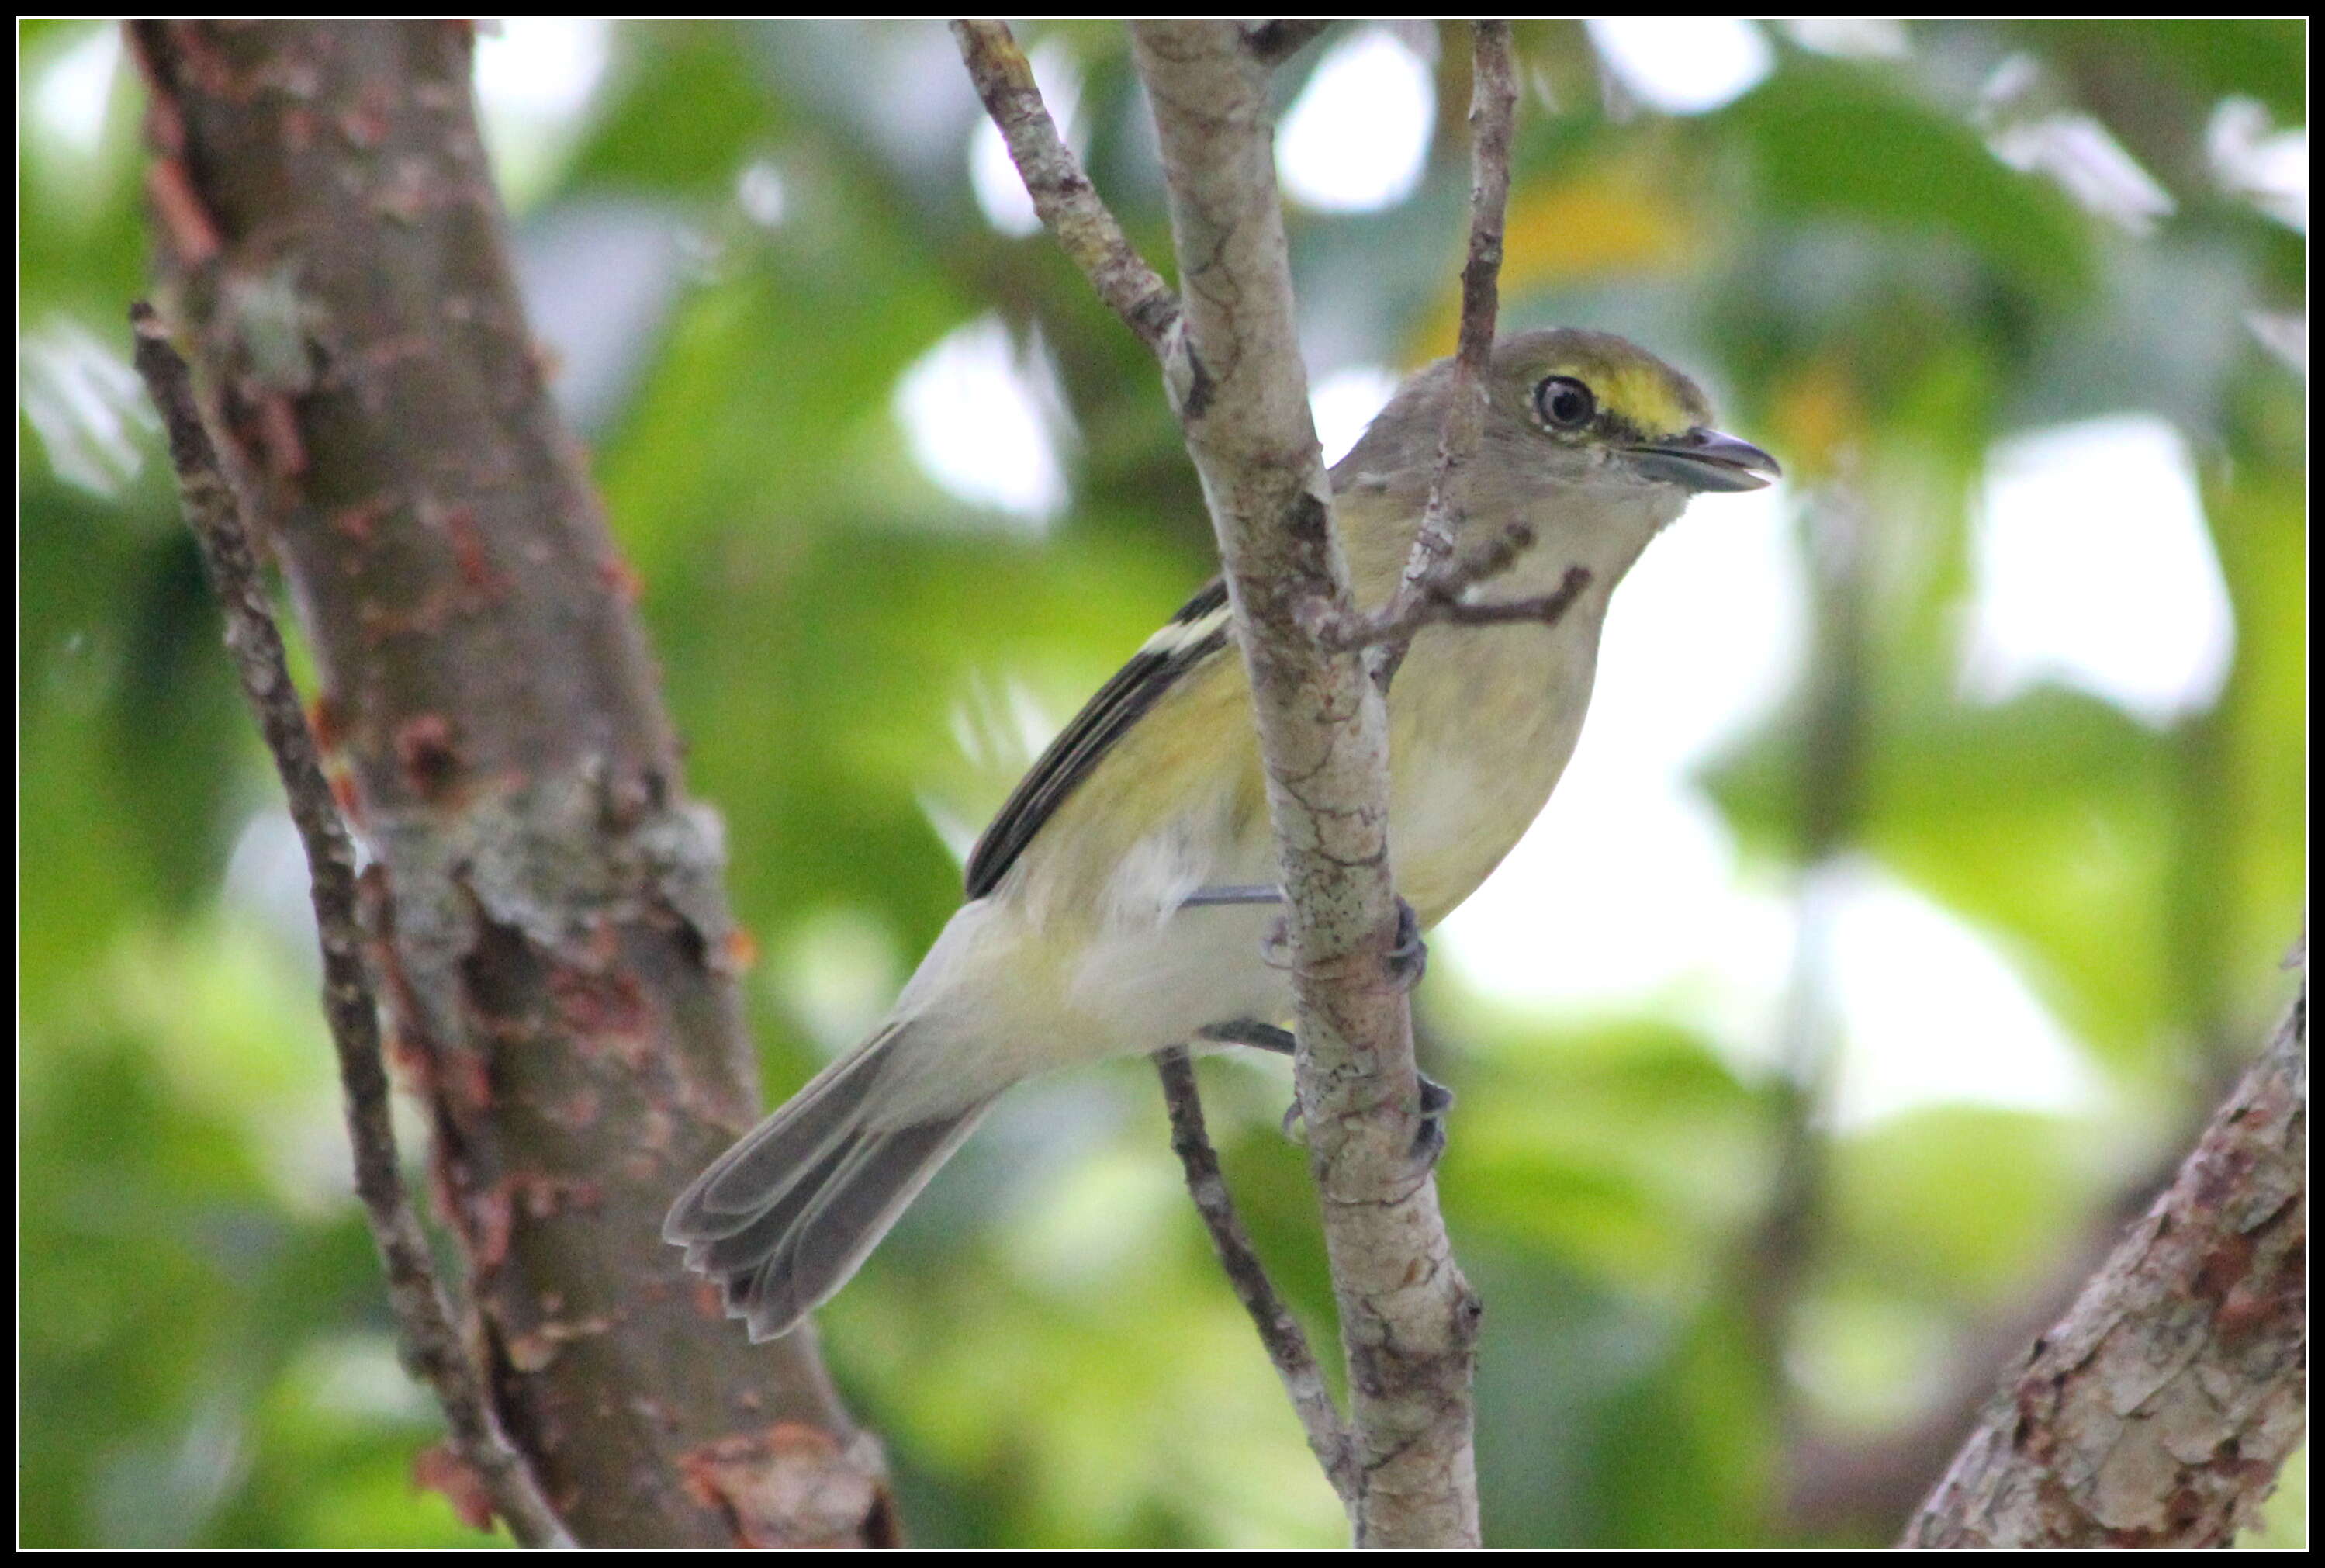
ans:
(2159, 1410)
(1232, 369)
(430, 1345)
(1408, 1319)
(1430, 590)
(1278, 1330)
(1064, 199)
(1435, 598)
(1077, 218)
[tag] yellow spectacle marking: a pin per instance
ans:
(1633, 390)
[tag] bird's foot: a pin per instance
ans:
(1408, 955)
(1436, 1100)
(1429, 1138)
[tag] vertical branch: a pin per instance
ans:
(1231, 366)
(1078, 220)
(1493, 104)
(1408, 1319)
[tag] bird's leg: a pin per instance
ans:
(1427, 1144)
(1251, 1031)
(1234, 893)
(1276, 948)
(1259, 1036)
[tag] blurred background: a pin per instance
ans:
(1921, 884)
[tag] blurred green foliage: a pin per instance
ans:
(1045, 1346)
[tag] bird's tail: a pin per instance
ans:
(784, 1218)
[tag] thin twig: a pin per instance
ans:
(1437, 600)
(1436, 577)
(1274, 41)
(432, 1346)
(1278, 1330)
(1546, 609)
(1493, 104)
(1063, 197)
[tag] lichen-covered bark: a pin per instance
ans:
(553, 936)
(2159, 1410)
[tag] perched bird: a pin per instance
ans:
(1119, 903)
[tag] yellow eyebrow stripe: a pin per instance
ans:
(1640, 395)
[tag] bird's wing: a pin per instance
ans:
(1198, 633)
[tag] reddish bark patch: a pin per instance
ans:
(785, 1485)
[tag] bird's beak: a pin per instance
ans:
(1705, 460)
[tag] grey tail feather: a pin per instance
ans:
(784, 1218)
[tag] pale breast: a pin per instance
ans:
(1481, 722)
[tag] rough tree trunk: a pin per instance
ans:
(556, 944)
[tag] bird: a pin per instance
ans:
(1119, 901)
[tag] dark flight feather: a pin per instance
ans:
(1104, 720)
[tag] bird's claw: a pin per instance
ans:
(1408, 955)
(1428, 1138)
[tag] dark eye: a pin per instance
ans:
(1565, 403)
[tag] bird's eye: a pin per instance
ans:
(1565, 403)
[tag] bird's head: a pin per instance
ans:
(1573, 406)
(1565, 407)
(1589, 440)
